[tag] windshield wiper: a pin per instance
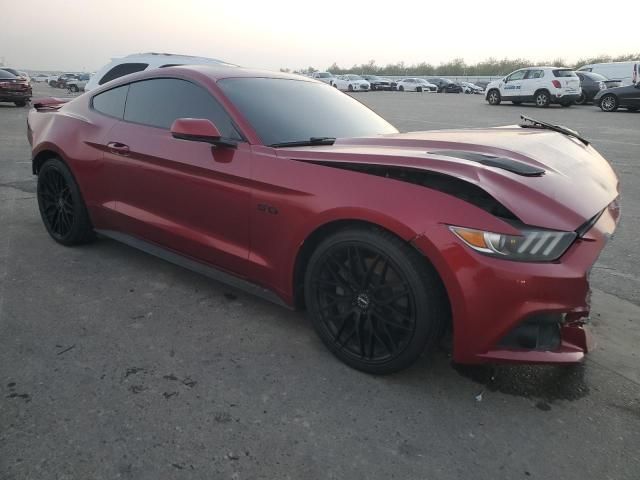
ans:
(306, 143)
(556, 128)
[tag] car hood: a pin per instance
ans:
(576, 183)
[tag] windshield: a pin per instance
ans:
(324, 75)
(5, 74)
(283, 110)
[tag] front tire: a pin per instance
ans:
(373, 300)
(542, 99)
(62, 208)
(350, 88)
(609, 103)
(401, 88)
(493, 97)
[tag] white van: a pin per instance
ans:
(118, 67)
(627, 72)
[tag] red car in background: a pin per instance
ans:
(14, 89)
(283, 186)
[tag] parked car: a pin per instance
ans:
(14, 89)
(139, 62)
(482, 84)
(471, 88)
(415, 85)
(386, 239)
(326, 77)
(39, 78)
(540, 85)
(351, 83)
(78, 84)
(60, 81)
(611, 99)
(445, 85)
(378, 83)
(590, 84)
(627, 73)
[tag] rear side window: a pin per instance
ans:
(160, 101)
(122, 70)
(564, 73)
(5, 74)
(534, 74)
(111, 102)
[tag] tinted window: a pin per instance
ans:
(122, 70)
(5, 74)
(159, 102)
(282, 110)
(111, 102)
(564, 73)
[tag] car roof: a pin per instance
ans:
(212, 72)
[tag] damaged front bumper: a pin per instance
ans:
(508, 311)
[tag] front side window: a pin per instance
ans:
(122, 70)
(287, 110)
(111, 102)
(519, 75)
(160, 101)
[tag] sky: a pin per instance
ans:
(270, 34)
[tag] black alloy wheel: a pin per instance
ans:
(374, 301)
(61, 206)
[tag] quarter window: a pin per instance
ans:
(160, 101)
(111, 102)
(122, 70)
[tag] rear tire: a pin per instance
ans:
(350, 88)
(419, 89)
(373, 300)
(20, 103)
(61, 206)
(401, 88)
(582, 99)
(542, 99)
(493, 97)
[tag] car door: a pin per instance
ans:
(188, 196)
(511, 86)
(532, 81)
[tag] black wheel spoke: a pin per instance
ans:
(56, 201)
(365, 302)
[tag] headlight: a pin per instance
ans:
(602, 86)
(530, 246)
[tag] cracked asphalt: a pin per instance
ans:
(115, 364)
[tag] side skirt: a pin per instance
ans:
(201, 268)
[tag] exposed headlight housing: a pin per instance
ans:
(532, 245)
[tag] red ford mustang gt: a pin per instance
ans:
(284, 186)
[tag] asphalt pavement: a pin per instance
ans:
(115, 364)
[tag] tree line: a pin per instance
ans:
(458, 67)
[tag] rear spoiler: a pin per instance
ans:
(49, 103)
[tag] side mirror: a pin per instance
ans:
(198, 130)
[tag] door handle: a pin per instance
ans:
(118, 148)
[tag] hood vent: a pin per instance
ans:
(508, 164)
